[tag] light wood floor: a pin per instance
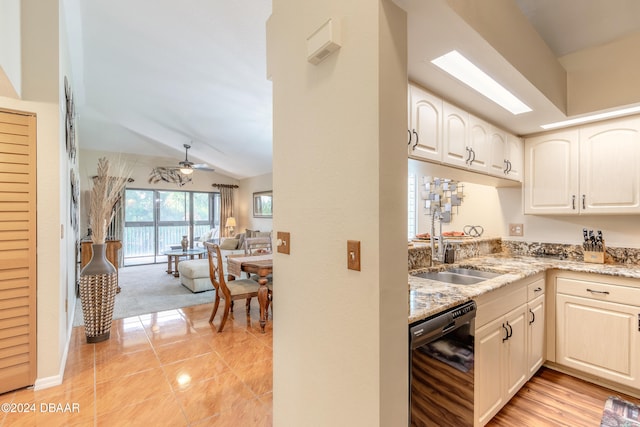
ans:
(551, 398)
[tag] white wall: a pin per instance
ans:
(141, 168)
(10, 54)
(618, 230)
(479, 207)
(244, 203)
(495, 208)
(339, 173)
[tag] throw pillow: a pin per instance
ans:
(229, 244)
(240, 237)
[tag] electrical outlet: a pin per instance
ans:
(516, 230)
(353, 255)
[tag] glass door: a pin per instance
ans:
(156, 220)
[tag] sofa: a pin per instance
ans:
(194, 274)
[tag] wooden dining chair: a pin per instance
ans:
(229, 291)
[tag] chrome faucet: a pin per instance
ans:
(437, 254)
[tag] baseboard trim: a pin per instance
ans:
(54, 380)
(594, 380)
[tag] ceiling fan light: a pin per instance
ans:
(186, 169)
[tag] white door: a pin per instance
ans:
(499, 152)
(551, 174)
(536, 322)
(480, 144)
(489, 393)
(456, 136)
(516, 352)
(425, 125)
(610, 167)
(515, 157)
(599, 338)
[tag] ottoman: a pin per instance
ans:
(194, 275)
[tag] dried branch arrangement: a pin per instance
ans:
(105, 192)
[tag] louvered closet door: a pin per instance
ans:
(17, 250)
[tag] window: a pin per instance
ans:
(156, 220)
(412, 208)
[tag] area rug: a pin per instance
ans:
(148, 289)
(620, 413)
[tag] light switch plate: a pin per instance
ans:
(284, 242)
(516, 229)
(353, 255)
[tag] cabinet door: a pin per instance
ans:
(551, 174)
(499, 152)
(480, 144)
(536, 322)
(456, 136)
(515, 157)
(516, 351)
(599, 338)
(426, 121)
(609, 172)
(489, 370)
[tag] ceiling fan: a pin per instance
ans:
(178, 174)
(187, 167)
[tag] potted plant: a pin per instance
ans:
(99, 278)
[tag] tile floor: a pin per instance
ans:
(162, 369)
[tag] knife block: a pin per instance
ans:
(595, 257)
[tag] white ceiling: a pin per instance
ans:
(152, 75)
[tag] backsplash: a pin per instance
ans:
(420, 254)
(570, 252)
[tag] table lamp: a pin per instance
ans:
(230, 224)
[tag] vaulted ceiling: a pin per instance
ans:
(152, 75)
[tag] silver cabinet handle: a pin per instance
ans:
(417, 139)
(474, 156)
(533, 317)
(409, 143)
(507, 331)
(538, 289)
(466, 161)
(573, 202)
(584, 206)
(597, 292)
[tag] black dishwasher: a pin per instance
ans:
(441, 360)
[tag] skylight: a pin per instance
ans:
(591, 118)
(465, 71)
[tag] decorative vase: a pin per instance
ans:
(184, 243)
(98, 288)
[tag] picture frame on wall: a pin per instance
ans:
(263, 204)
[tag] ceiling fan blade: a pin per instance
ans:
(203, 167)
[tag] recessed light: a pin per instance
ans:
(468, 73)
(592, 118)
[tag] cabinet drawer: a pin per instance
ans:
(600, 291)
(493, 306)
(535, 289)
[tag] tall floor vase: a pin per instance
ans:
(98, 288)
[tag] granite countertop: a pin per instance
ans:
(428, 297)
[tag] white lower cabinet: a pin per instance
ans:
(509, 342)
(598, 328)
(536, 323)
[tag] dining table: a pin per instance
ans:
(261, 265)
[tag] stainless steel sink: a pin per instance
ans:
(474, 273)
(459, 276)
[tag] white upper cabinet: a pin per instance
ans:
(443, 133)
(515, 158)
(456, 136)
(425, 125)
(507, 152)
(479, 144)
(591, 170)
(610, 167)
(551, 173)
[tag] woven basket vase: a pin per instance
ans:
(98, 288)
